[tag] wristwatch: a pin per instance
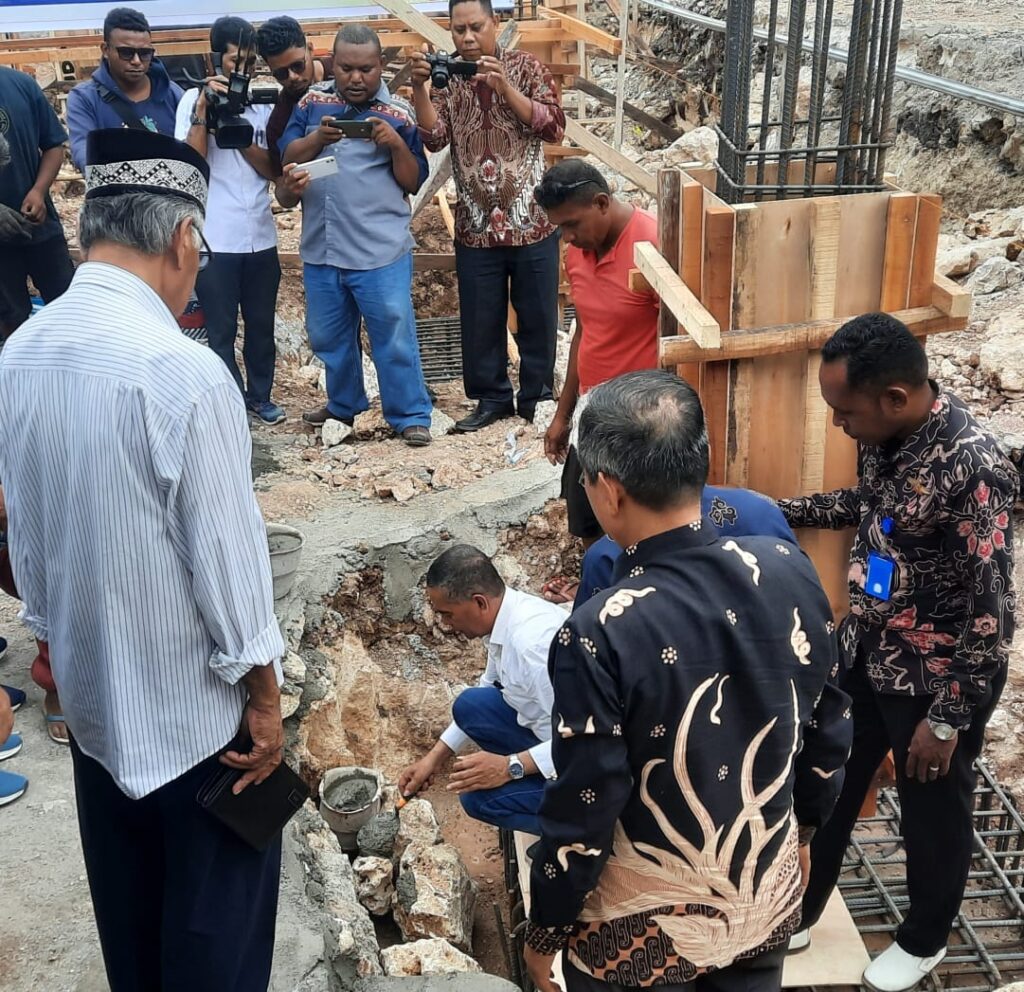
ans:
(943, 731)
(515, 767)
(197, 121)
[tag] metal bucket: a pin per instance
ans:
(349, 798)
(285, 554)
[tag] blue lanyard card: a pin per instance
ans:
(881, 571)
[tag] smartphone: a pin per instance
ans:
(353, 129)
(319, 168)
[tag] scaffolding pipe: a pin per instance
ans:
(905, 74)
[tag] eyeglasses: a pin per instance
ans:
(205, 253)
(128, 54)
(292, 69)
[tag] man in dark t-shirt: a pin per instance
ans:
(289, 56)
(38, 250)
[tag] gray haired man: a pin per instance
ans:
(142, 558)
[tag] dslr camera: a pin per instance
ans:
(224, 118)
(443, 66)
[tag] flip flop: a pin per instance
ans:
(51, 719)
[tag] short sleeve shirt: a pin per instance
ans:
(31, 127)
(619, 327)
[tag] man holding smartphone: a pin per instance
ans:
(244, 272)
(356, 246)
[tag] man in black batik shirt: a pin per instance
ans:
(931, 618)
(698, 740)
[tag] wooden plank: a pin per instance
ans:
(637, 282)
(628, 169)
(899, 251)
(716, 295)
(677, 296)
(576, 29)
(800, 336)
(440, 165)
(693, 232)
(824, 271)
(952, 299)
(446, 212)
(926, 248)
(564, 151)
(670, 186)
(632, 111)
(737, 459)
(418, 21)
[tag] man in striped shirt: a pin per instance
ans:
(141, 557)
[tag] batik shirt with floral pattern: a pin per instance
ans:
(949, 492)
(695, 729)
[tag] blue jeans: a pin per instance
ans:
(483, 715)
(335, 301)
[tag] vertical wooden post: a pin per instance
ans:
(926, 247)
(716, 295)
(670, 183)
(900, 227)
(581, 57)
(691, 258)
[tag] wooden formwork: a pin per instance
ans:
(751, 292)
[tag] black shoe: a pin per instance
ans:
(482, 417)
(320, 417)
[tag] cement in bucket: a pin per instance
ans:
(349, 798)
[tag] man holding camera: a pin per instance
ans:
(356, 246)
(131, 87)
(244, 271)
(288, 55)
(496, 122)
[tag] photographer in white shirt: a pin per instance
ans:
(244, 272)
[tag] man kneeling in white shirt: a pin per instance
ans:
(508, 715)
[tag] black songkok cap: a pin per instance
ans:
(130, 160)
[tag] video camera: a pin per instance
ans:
(443, 66)
(224, 118)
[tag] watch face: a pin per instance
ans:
(515, 768)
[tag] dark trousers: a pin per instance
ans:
(50, 268)
(482, 714)
(760, 974)
(488, 278)
(182, 905)
(936, 816)
(246, 282)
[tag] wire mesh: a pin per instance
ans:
(986, 948)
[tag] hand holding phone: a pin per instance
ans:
(353, 129)
(317, 169)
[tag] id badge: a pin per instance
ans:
(881, 570)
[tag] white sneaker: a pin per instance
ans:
(800, 941)
(894, 970)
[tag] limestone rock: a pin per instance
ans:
(350, 941)
(290, 699)
(543, 414)
(995, 275)
(417, 824)
(371, 421)
(1002, 358)
(310, 373)
(375, 883)
(563, 342)
(427, 957)
(700, 145)
(450, 474)
(440, 423)
(958, 260)
(377, 838)
(334, 432)
(290, 336)
(435, 895)
(370, 383)
(294, 668)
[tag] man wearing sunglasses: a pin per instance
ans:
(131, 87)
(244, 274)
(289, 56)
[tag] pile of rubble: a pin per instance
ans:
(404, 871)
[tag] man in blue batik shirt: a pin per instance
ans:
(732, 512)
(356, 247)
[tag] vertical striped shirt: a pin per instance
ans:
(136, 541)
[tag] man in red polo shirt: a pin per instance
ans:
(616, 328)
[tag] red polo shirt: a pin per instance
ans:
(619, 327)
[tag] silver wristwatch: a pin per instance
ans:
(943, 731)
(515, 767)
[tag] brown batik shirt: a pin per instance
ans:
(497, 160)
(696, 727)
(945, 495)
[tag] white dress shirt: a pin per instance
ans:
(238, 215)
(517, 660)
(139, 549)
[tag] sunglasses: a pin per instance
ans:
(127, 54)
(205, 253)
(292, 69)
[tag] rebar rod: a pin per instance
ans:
(849, 127)
(766, 94)
(791, 84)
(819, 64)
